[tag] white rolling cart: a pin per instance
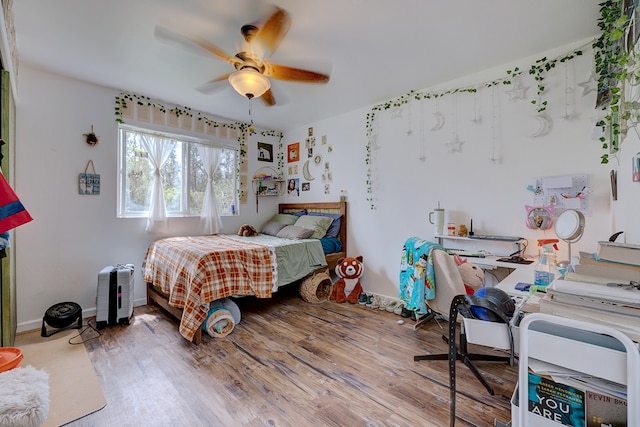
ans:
(584, 350)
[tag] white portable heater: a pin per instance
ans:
(114, 302)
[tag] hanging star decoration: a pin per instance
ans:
(590, 85)
(396, 113)
(517, 91)
(455, 146)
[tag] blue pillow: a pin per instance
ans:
(299, 213)
(334, 228)
(331, 245)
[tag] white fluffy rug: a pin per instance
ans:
(24, 400)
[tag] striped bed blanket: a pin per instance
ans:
(195, 270)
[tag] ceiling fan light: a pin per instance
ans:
(249, 82)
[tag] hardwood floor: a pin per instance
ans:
(289, 363)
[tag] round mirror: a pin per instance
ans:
(569, 227)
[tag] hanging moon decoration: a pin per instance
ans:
(544, 125)
(439, 121)
(306, 173)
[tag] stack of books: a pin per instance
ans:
(624, 253)
(604, 289)
(616, 307)
(594, 265)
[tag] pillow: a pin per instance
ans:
(319, 224)
(298, 213)
(272, 228)
(286, 219)
(334, 228)
(294, 232)
(330, 245)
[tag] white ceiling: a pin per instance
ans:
(376, 50)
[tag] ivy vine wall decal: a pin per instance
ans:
(238, 130)
(617, 74)
(512, 78)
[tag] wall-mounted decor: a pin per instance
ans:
(305, 171)
(91, 137)
(265, 152)
(293, 186)
(636, 168)
(562, 192)
(89, 183)
(293, 152)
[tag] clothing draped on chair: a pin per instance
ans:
(159, 150)
(209, 216)
(417, 282)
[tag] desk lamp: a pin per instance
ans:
(570, 227)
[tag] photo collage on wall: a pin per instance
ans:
(311, 154)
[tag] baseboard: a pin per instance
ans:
(86, 313)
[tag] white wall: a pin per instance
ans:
(468, 184)
(72, 237)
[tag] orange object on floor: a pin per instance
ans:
(10, 357)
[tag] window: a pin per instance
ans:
(183, 175)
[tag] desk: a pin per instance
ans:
(518, 273)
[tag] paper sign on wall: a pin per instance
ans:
(89, 183)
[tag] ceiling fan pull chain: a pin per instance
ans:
(250, 115)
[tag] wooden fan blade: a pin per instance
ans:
(268, 98)
(198, 46)
(214, 85)
(272, 31)
(282, 72)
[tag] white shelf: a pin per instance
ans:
(490, 246)
(621, 365)
(476, 239)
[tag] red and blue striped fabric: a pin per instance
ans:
(12, 212)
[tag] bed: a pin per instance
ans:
(184, 274)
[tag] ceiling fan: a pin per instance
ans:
(252, 66)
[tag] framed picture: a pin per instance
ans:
(293, 152)
(306, 186)
(293, 186)
(265, 152)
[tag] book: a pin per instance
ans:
(619, 252)
(602, 410)
(594, 303)
(554, 401)
(629, 325)
(600, 291)
(616, 274)
(591, 258)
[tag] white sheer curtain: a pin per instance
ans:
(159, 149)
(209, 216)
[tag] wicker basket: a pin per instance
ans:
(316, 288)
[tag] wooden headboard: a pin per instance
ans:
(324, 207)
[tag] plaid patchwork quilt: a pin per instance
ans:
(196, 270)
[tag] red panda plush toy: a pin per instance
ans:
(348, 287)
